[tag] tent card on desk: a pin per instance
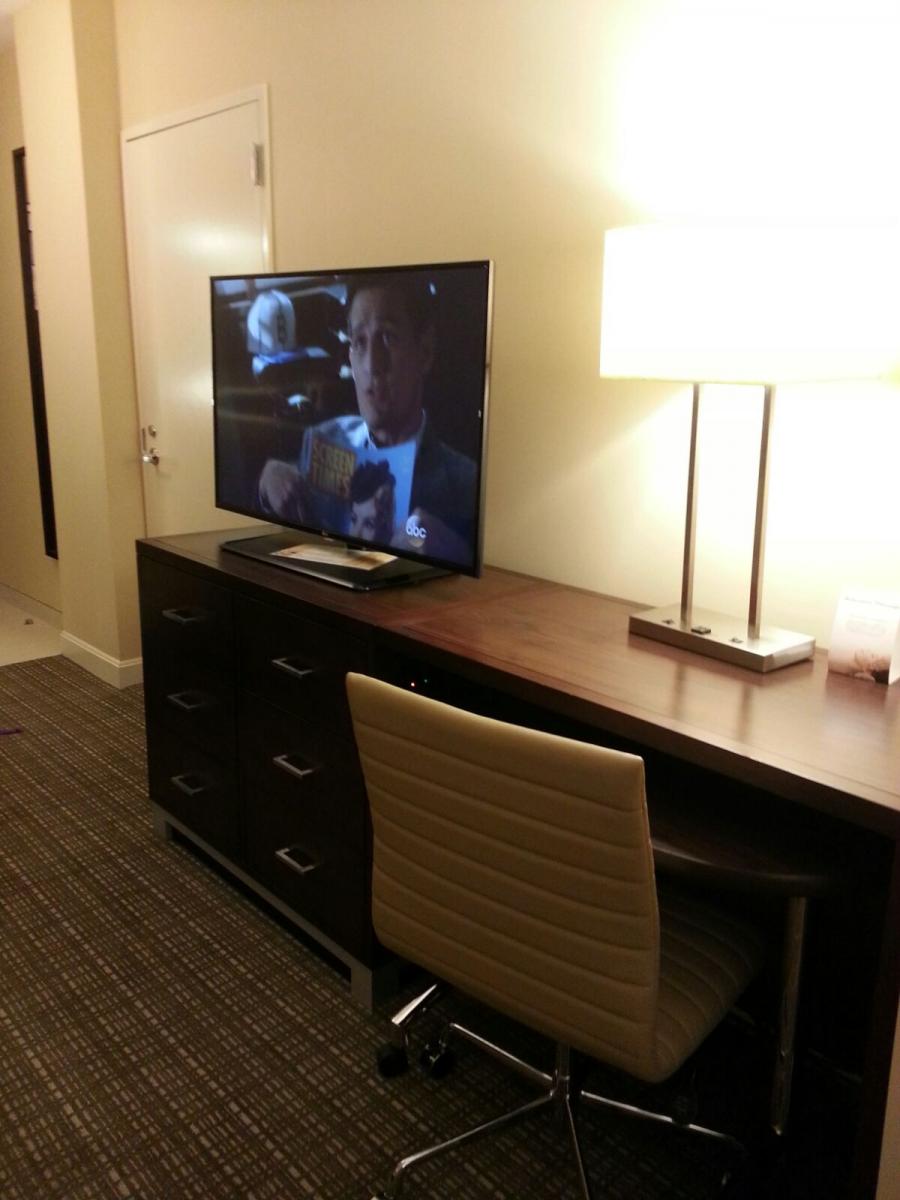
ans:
(865, 640)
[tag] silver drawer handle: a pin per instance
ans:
(188, 701)
(297, 767)
(297, 859)
(185, 616)
(287, 665)
(184, 784)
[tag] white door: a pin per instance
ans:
(196, 204)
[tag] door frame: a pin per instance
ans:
(35, 359)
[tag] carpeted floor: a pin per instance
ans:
(163, 1036)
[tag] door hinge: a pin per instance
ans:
(257, 164)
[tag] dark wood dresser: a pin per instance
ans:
(250, 749)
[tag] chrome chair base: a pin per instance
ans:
(393, 1058)
(560, 1092)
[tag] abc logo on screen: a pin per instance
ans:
(416, 532)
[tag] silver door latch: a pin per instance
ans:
(148, 453)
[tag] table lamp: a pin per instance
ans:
(756, 306)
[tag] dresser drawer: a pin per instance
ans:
(312, 771)
(315, 872)
(297, 664)
(194, 788)
(194, 701)
(305, 820)
(184, 616)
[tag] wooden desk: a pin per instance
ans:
(828, 746)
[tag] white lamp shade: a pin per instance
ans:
(756, 305)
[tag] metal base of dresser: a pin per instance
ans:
(368, 986)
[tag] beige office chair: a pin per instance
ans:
(517, 867)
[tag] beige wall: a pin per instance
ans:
(24, 566)
(411, 130)
(65, 53)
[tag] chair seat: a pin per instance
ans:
(708, 955)
(710, 845)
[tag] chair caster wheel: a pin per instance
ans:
(391, 1061)
(436, 1060)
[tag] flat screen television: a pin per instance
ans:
(351, 406)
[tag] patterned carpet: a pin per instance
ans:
(162, 1036)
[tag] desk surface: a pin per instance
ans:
(826, 741)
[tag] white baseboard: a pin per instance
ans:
(119, 673)
(34, 608)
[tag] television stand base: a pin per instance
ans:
(270, 548)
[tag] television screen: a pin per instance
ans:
(352, 405)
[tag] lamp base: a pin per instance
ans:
(718, 635)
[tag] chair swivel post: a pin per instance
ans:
(791, 968)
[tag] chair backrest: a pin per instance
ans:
(515, 865)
